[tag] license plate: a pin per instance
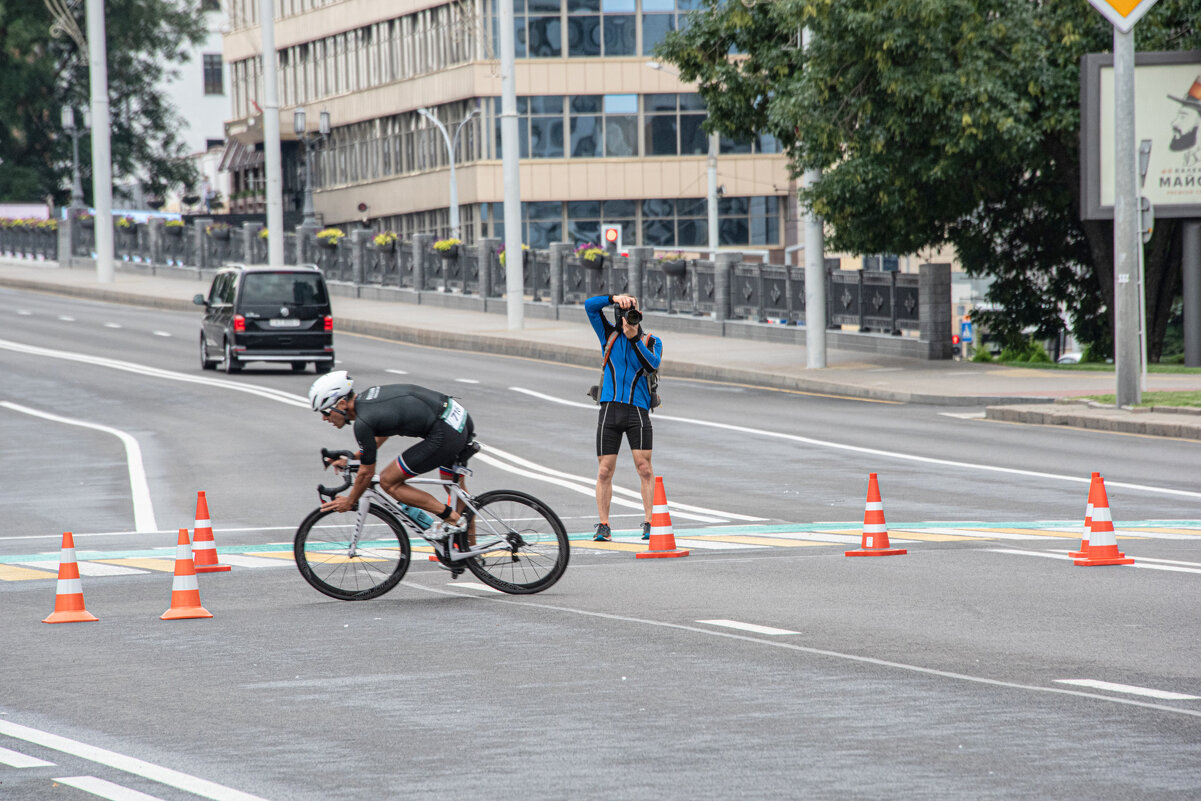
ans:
(284, 323)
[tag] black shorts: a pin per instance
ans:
(616, 419)
(441, 448)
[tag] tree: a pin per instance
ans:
(39, 74)
(940, 122)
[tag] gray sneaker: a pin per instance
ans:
(646, 530)
(602, 533)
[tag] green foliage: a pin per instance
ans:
(982, 355)
(938, 122)
(39, 74)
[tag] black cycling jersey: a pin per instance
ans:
(404, 410)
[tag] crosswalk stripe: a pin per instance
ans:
(105, 789)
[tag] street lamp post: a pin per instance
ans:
(451, 142)
(76, 182)
(298, 126)
(711, 202)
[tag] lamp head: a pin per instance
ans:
(298, 122)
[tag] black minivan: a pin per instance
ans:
(267, 314)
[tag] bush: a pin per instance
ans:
(982, 355)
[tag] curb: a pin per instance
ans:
(1109, 418)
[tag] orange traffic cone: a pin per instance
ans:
(1102, 544)
(663, 539)
(204, 547)
(1088, 520)
(185, 591)
(68, 596)
(875, 531)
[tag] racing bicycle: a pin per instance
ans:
(513, 542)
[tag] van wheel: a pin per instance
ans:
(321, 368)
(231, 365)
(298, 367)
(205, 362)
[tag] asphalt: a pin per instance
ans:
(1015, 394)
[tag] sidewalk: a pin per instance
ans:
(1026, 394)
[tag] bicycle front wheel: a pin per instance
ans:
(373, 566)
(534, 551)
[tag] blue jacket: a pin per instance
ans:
(629, 361)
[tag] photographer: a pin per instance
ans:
(625, 400)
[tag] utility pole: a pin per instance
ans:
(510, 163)
(274, 166)
(102, 161)
(815, 271)
(1126, 238)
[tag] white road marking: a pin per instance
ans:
(155, 372)
(106, 789)
(113, 325)
(1138, 562)
(964, 415)
(466, 381)
(128, 764)
(859, 658)
(242, 560)
(161, 333)
(589, 483)
(751, 627)
(471, 585)
(24, 313)
(66, 318)
(1163, 695)
(397, 372)
(143, 509)
(15, 759)
(906, 457)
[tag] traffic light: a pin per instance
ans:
(955, 340)
(612, 236)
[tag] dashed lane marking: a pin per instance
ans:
(1163, 695)
(15, 759)
(755, 628)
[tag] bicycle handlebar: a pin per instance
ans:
(328, 456)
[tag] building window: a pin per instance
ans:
(210, 5)
(213, 77)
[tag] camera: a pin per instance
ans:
(632, 315)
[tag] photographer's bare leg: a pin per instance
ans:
(604, 485)
(646, 475)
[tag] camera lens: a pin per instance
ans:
(633, 316)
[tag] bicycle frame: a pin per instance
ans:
(374, 496)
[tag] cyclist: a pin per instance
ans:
(625, 400)
(406, 410)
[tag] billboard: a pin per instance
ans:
(1167, 112)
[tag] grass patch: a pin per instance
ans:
(1184, 398)
(1097, 367)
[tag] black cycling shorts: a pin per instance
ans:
(616, 419)
(441, 448)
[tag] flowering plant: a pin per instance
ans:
(384, 239)
(216, 228)
(524, 248)
(588, 251)
(47, 225)
(671, 255)
(125, 222)
(331, 236)
(263, 233)
(173, 224)
(446, 245)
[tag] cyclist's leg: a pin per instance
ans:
(422, 457)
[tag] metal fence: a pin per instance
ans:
(870, 301)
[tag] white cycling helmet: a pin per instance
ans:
(329, 389)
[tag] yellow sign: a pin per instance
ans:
(1123, 13)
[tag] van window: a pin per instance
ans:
(283, 288)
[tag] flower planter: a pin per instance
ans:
(328, 244)
(89, 222)
(173, 230)
(450, 253)
(675, 268)
(593, 262)
(220, 235)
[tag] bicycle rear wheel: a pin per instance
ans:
(538, 548)
(325, 560)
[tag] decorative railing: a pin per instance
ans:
(725, 289)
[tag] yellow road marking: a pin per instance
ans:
(273, 554)
(161, 565)
(917, 535)
(1034, 532)
(14, 573)
(1153, 530)
(746, 540)
(609, 546)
